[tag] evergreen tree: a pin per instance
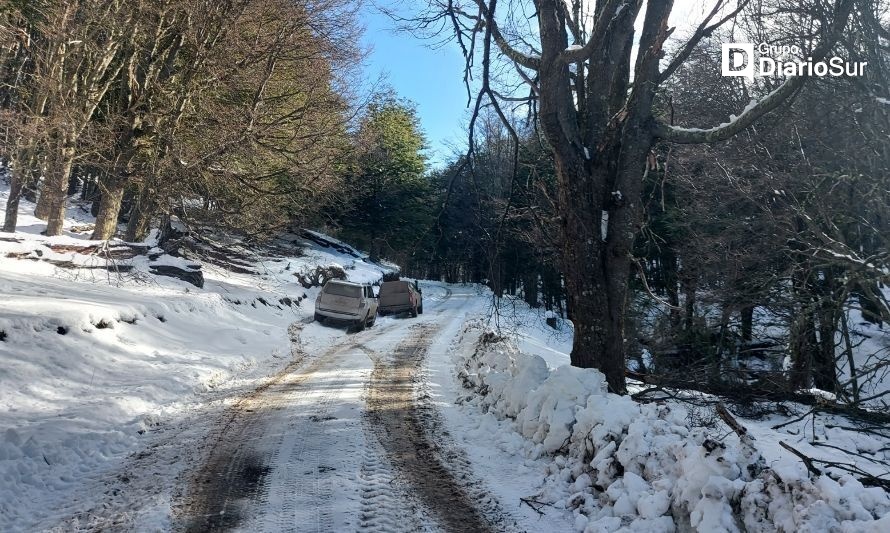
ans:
(389, 206)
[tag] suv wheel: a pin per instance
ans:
(413, 312)
(360, 324)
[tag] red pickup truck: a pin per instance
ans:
(400, 296)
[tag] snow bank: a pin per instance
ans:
(623, 466)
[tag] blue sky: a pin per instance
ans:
(431, 78)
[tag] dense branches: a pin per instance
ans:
(230, 113)
(601, 105)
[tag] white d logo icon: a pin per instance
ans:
(737, 59)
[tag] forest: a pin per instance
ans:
(711, 232)
(698, 230)
(247, 283)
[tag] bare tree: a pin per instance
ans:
(594, 91)
(75, 69)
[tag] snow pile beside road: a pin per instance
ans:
(620, 465)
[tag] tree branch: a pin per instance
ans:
(704, 30)
(515, 55)
(600, 30)
(755, 110)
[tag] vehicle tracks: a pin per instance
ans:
(340, 443)
(267, 457)
(398, 422)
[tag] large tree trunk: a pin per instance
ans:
(803, 345)
(23, 174)
(824, 373)
(16, 187)
(802, 341)
(601, 140)
(590, 283)
(582, 174)
(42, 209)
(747, 315)
(109, 208)
(829, 315)
(140, 217)
(55, 189)
(530, 289)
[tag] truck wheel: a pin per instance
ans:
(360, 325)
(413, 312)
(372, 322)
(420, 310)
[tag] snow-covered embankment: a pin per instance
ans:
(622, 465)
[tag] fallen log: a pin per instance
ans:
(192, 274)
(747, 393)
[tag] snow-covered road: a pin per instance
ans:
(339, 443)
(341, 439)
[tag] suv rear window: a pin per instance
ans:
(339, 289)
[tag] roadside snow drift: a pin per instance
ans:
(624, 466)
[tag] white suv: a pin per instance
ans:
(352, 302)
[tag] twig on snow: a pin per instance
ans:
(807, 461)
(535, 504)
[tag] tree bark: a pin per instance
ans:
(16, 187)
(803, 345)
(824, 372)
(140, 217)
(747, 316)
(587, 275)
(109, 209)
(55, 188)
(42, 209)
(530, 289)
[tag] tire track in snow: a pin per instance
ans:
(266, 466)
(298, 492)
(129, 493)
(386, 506)
(398, 424)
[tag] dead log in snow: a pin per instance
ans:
(745, 393)
(727, 417)
(192, 274)
(115, 251)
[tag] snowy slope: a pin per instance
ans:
(91, 360)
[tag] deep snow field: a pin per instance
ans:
(95, 366)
